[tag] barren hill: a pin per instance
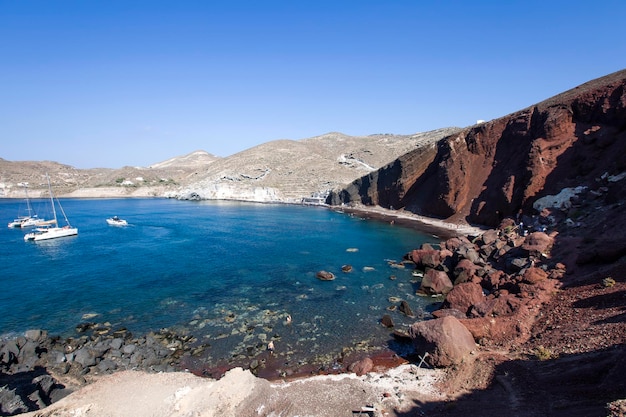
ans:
(280, 171)
(287, 170)
(98, 182)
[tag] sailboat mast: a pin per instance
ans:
(28, 207)
(54, 212)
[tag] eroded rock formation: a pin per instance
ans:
(493, 170)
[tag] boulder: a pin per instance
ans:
(85, 357)
(463, 296)
(406, 309)
(361, 367)
(387, 321)
(534, 275)
(538, 243)
(325, 276)
(447, 341)
(428, 258)
(435, 282)
(468, 251)
(489, 237)
(464, 271)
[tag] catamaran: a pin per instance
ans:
(53, 231)
(31, 219)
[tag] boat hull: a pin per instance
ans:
(51, 233)
(113, 222)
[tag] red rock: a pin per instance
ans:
(533, 275)
(448, 312)
(426, 258)
(362, 367)
(463, 296)
(538, 243)
(446, 340)
(436, 282)
(464, 271)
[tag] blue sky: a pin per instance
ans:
(114, 83)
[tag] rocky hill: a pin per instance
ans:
(489, 171)
(288, 170)
(68, 181)
(277, 171)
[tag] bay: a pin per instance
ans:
(228, 273)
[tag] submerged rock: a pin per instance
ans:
(325, 276)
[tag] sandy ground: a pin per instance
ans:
(241, 394)
(406, 218)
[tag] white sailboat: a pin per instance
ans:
(53, 231)
(31, 219)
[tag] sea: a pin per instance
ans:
(234, 275)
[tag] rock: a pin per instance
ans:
(516, 264)
(534, 275)
(425, 258)
(85, 357)
(449, 312)
(106, 365)
(34, 335)
(489, 237)
(325, 276)
(406, 309)
(464, 271)
(361, 367)
(387, 321)
(10, 402)
(464, 296)
(117, 343)
(538, 243)
(401, 335)
(346, 268)
(9, 353)
(436, 282)
(447, 341)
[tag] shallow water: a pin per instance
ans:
(228, 273)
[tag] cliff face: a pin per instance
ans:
(493, 170)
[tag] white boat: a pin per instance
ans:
(29, 220)
(52, 231)
(116, 221)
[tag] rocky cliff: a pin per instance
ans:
(493, 170)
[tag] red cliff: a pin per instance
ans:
(493, 170)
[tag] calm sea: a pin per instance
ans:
(229, 273)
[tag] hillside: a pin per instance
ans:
(277, 171)
(98, 182)
(489, 171)
(287, 170)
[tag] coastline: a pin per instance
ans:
(439, 228)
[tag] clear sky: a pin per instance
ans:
(119, 82)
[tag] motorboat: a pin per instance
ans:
(116, 221)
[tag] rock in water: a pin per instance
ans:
(325, 276)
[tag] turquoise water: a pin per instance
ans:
(228, 273)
